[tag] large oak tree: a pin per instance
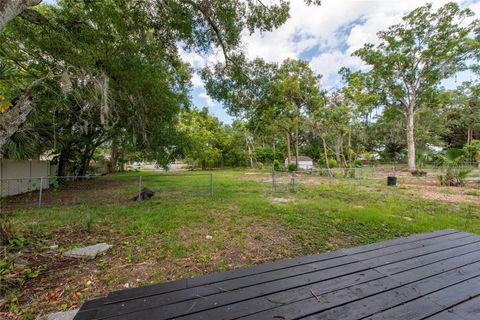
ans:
(414, 56)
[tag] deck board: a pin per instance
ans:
(432, 275)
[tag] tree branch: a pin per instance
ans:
(9, 9)
(15, 117)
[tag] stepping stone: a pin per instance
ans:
(88, 252)
(67, 315)
(281, 200)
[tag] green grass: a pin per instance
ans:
(245, 225)
(315, 213)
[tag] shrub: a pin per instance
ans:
(276, 165)
(332, 163)
(292, 166)
(357, 163)
(455, 175)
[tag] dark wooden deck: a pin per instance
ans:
(433, 276)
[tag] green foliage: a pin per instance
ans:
(472, 151)
(110, 76)
(264, 154)
(455, 174)
(332, 163)
(414, 56)
(204, 137)
(292, 166)
(88, 222)
(276, 165)
(17, 241)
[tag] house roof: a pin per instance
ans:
(301, 158)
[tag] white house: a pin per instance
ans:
(304, 163)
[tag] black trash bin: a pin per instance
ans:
(391, 181)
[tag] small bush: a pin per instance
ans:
(292, 167)
(323, 172)
(332, 163)
(260, 165)
(276, 165)
(6, 230)
(88, 223)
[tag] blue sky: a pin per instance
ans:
(325, 36)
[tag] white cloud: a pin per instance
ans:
(337, 29)
(197, 81)
(208, 100)
(329, 63)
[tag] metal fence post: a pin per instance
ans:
(273, 180)
(211, 184)
(140, 188)
(293, 181)
(40, 193)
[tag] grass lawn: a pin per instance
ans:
(181, 234)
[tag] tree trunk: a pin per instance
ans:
(85, 160)
(249, 152)
(9, 9)
(325, 155)
(338, 150)
(274, 150)
(63, 161)
(289, 154)
(14, 118)
(411, 141)
(296, 146)
(112, 165)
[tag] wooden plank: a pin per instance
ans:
(396, 241)
(262, 303)
(201, 293)
(223, 297)
(222, 285)
(248, 307)
(217, 277)
(447, 315)
(89, 309)
(452, 250)
(235, 284)
(455, 299)
(358, 301)
(286, 283)
(432, 269)
(468, 310)
(238, 283)
(455, 294)
(377, 303)
(414, 310)
(409, 246)
(226, 298)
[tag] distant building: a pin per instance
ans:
(304, 163)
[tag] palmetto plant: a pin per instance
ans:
(456, 174)
(5, 71)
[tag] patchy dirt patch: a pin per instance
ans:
(446, 194)
(231, 246)
(54, 282)
(339, 241)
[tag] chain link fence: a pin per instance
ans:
(113, 190)
(291, 181)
